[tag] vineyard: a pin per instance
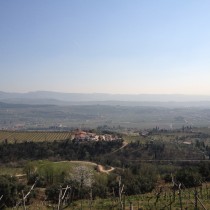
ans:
(35, 136)
(159, 199)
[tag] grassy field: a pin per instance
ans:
(62, 166)
(36, 136)
(13, 171)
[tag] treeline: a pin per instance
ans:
(102, 151)
(153, 150)
(57, 150)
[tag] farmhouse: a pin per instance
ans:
(144, 133)
(86, 136)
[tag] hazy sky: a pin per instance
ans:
(109, 46)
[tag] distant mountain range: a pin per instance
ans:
(56, 98)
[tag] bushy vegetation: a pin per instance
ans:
(140, 167)
(9, 190)
(57, 150)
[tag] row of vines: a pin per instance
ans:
(36, 136)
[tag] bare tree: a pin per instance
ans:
(85, 177)
(120, 191)
(158, 196)
(23, 200)
(62, 196)
(174, 186)
(180, 195)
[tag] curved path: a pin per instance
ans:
(103, 170)
(100, 168)
(124, 145)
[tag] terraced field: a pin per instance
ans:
(36, 136)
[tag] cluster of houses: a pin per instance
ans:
(86, 136)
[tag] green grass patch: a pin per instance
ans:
(12, 171)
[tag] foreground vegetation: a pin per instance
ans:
(87, 188)
(154, 171)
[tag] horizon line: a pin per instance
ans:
(106, 93)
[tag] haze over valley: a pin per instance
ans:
(44, 110)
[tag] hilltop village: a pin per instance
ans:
(82, 136)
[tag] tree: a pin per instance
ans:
(9, 189)
(29, 169)
(52, 193)
(84, 176)
(189, 177)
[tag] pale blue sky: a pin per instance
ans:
(109, 46)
